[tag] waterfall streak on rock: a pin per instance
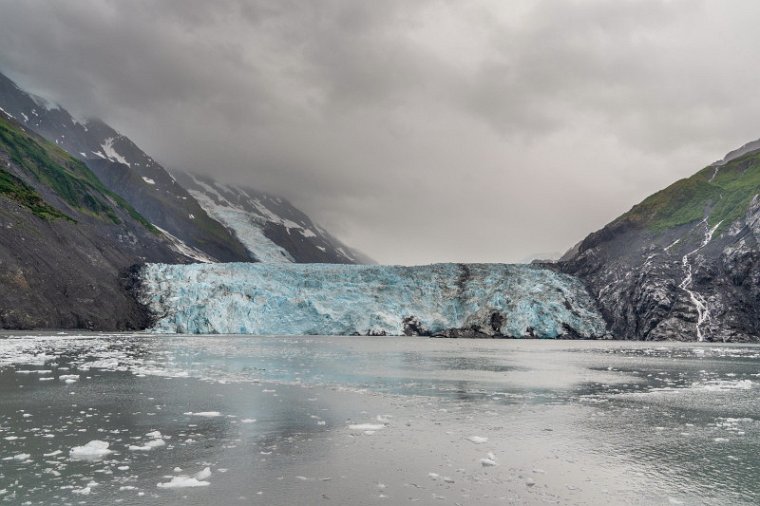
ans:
(697, 299)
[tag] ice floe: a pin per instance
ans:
(95, 449)
(184, 481)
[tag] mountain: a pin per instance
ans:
(67, 241)
(685, 263)
(270, 227)
(124, 169)
(224, 223)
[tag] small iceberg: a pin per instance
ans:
(93, 450)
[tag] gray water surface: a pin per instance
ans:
(358, 420)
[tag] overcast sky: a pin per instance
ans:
(416, 131)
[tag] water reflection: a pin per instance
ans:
(682, 418)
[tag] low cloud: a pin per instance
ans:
(417, 131)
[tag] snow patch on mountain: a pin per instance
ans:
(270, 227)
(112, 154)
(248, 228)
(182, 248)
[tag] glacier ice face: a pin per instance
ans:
(329, 299)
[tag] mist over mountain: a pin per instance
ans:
(399, 125)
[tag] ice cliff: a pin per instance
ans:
(457, 300)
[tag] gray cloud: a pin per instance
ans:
(418, 131)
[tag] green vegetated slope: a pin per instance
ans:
(721, 193)
(67, 242)
(69, 178)
(16, 189)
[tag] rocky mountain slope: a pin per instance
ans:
(225, 223)
(66, 241)
(124, 169)
(270, 227)
(685, 263)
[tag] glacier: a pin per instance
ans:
(454, 300)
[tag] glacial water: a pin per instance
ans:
(195, 420)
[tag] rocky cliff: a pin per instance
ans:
(683, 264)
(66, 241)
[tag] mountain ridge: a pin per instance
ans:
(685, 262)
(153, 190)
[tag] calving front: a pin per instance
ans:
(469, 300)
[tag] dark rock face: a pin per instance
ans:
(692, 281)
(63, 264)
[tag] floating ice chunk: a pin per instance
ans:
(434, 476)
(487, 462)
(106, 363)
(205, 414)
(184, 481)
(367, 426)
(52, 454)
(82, 491)
(68, 378)
(477, 439)
(155, 443)
(22, 456)
(248, 420)
(93, 450)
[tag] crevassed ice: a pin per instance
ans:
(247, 229)
(326, 299)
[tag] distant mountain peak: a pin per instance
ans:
(738, 153)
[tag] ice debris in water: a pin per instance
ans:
(93, 450)
(477, 439)
(293, 299)
(69, 378)
(156, 441)
(19, 457)
(184, 481)
(205, 414)
(366, 426)
(489, 461)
